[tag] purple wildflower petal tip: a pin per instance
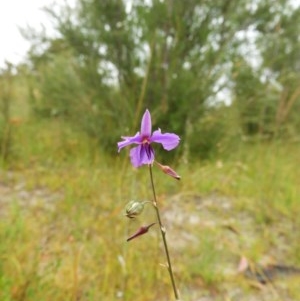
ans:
(146, 125)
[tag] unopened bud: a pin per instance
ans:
(169, 171)
(142, 230)
(134, 208)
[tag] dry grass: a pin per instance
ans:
(63, 233)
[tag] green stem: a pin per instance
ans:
(163, 235)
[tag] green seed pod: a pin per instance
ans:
(134, 208)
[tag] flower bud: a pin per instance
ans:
(169, 171)
(142, 230)
(133, 209)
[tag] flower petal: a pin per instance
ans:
(146, 124)
(141, 154)
(129, 140)
(168, 140)
(146, 154)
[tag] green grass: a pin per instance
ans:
(63, 232)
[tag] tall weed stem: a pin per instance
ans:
(163, 235)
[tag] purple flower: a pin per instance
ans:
(144, 153)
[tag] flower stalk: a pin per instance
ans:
(143, 154)
(163, 235)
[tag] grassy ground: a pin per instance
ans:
(63, 232)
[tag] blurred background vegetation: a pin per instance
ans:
(218, 73)
(222, 74)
